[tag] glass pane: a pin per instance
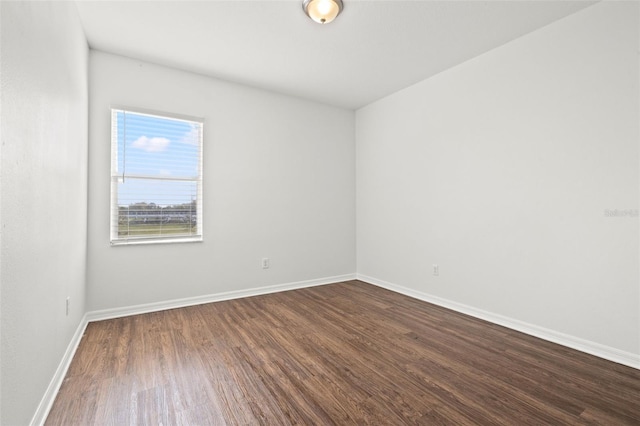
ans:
(153, 208)
(156, 146)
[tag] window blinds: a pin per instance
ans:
(156, 177)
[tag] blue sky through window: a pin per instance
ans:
(151, 147)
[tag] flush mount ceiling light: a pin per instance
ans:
(322, 11)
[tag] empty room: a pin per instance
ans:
(320, 212)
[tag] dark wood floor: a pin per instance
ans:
(347, 353)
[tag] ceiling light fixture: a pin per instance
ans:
(322, 11)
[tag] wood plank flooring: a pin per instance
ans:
(346, 353)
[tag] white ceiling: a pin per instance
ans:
(374, 48)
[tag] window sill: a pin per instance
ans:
(141, 241)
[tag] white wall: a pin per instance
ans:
(44, 196)
(500, 170)
(279, 182)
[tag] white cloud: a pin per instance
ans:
(151, 144)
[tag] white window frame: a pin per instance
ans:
(117, 177)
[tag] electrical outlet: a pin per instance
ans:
(265, 263)
(436, 269)
(68, 300)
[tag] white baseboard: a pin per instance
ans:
(216, 297)
(49, 397)
(593, 348)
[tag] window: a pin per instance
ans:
(156, 177)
